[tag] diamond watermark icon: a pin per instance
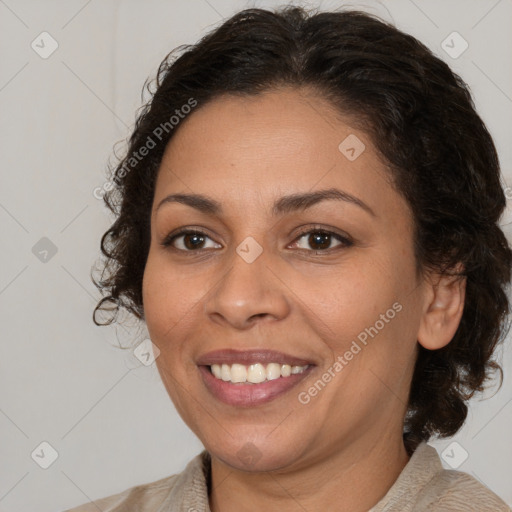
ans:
(146, 352)
(249, 454)
(249, 249)
(44, 45)
(44, 455)
(351, 147)
(44, 250)
(454, 455)
(454, 45)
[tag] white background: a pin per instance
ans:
(62, 379)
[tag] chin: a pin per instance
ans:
(256, 454)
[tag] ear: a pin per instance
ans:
(444, 304)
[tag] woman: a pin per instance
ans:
(308, 225)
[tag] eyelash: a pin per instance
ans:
(345, 241)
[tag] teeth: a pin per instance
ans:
(238, 373)
(216, 371)
(225, 373)
(254, 373)
(273, 371)
(286, 370)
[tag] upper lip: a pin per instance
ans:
(262, 356)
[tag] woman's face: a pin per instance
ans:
(254, 291)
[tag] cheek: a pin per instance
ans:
(173, 301)
(353, 298)
(156, 299)
(369, 310)
(165, 309)
(167, 296)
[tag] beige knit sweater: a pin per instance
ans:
(423, 485)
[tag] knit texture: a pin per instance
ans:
(422, 486)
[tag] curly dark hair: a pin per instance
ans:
(422, 120)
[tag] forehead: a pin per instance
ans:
(289, 122)
(275, 143)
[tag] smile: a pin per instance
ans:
(254, 373)
(251, 377)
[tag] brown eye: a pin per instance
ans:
(320, 240)
(192, 240)
(317, 240)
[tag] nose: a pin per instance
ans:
(248, 293)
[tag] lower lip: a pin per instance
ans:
(248, 395)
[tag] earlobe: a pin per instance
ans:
(443, 310)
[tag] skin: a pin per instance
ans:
(344, 448)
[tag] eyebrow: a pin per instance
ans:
(285, 204)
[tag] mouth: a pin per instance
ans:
(249, 378)
(255, 373)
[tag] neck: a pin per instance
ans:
(354, 479)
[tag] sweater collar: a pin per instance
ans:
(190, 491)
(423, 465)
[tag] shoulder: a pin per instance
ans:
(186, 488)
(456, 491)
(425, 486)
(141, 497)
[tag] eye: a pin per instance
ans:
(320, 239)
(192, 240)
